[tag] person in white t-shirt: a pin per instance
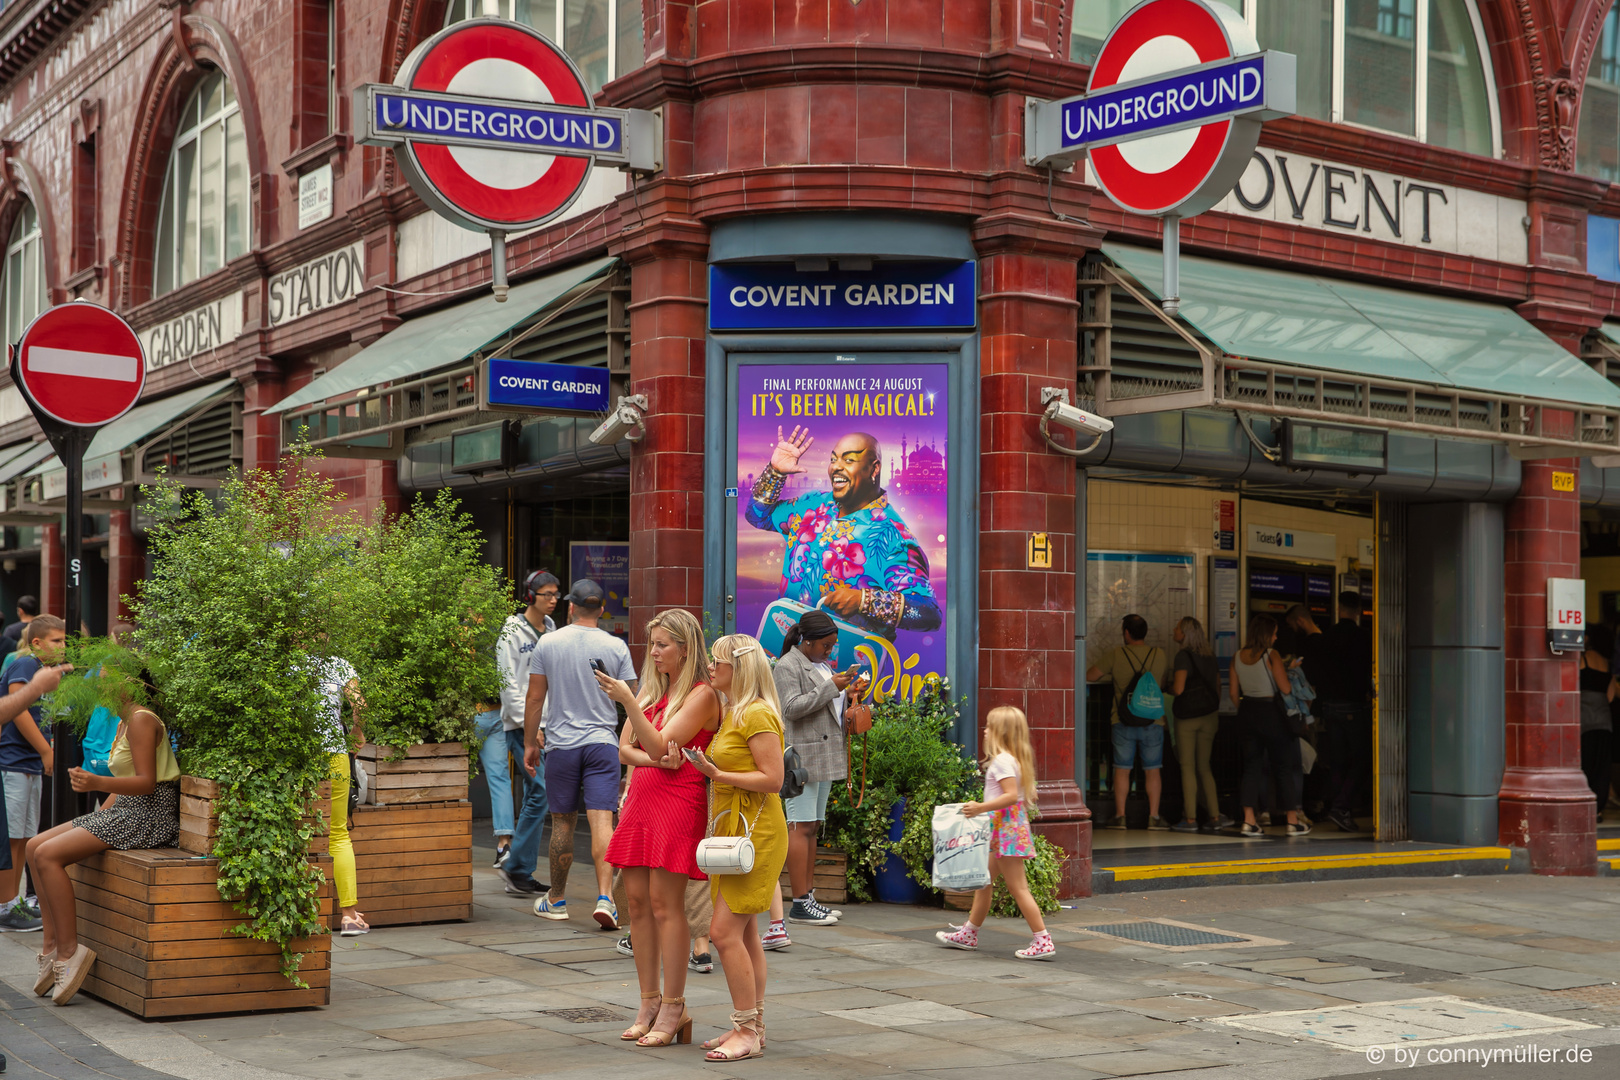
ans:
(1009, 795)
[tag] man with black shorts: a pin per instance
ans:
(580, 742)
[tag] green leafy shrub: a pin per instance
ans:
(250, 589)
(910, 758)
(1044, 873)
(434, 611)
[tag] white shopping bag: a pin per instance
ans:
(961, 848)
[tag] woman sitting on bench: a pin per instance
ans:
(143, 811)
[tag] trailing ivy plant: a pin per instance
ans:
(250, 589)
(434, 611)
(908, 757)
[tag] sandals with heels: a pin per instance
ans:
(747, 1023)
(636, 1031)
(681, 1034)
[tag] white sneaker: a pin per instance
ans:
(606, 915)
(547, 908)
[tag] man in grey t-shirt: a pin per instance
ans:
(581, 743)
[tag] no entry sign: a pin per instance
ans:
(80, 365)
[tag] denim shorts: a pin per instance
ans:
(810, 804)
(586, 774)
(1129, 742)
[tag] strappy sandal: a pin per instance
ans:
(710, 1044)
(636, 1031)
(681, 1034)
(746, 1022)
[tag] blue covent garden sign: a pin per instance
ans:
(891, 296)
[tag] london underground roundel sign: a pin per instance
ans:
(1172, 113)
(80, 365)
(482, 103)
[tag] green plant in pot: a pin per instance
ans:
(250, 590)
(434, 609)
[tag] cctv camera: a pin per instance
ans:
(624, 422)
(1062, 412)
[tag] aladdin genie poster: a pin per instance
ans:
(841, 504)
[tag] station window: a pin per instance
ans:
(1415, 68)
(203, 220)
(22, 290)
(1597, 147)
(602, 36)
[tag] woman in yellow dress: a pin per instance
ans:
(745, 764)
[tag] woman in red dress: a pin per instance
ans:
(664, 816)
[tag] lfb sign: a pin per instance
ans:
(1566, 614)
(1172, 114)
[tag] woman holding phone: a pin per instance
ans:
(665, 814)
(746, 767)
(813, 699)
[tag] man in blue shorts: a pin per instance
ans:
(1134, 745)
(580, 741)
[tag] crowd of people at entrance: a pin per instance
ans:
(1298, 708)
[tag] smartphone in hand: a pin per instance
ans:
(598, 666)
(691, 755)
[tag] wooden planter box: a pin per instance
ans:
(958, 899)
(199, 819)
(429, 772)
(159, 929)
(831, 880)
(414, 862)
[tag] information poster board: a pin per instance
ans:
(607, 564)
(1162, 587)
(856, 521)
(1224, 616)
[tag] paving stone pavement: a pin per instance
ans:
(508, 995)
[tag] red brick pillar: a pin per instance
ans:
(262, 388)
(1545, 805)
(126, 564)
(52, 575)
(668, 318)
(1027, 313)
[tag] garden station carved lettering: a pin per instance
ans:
(199, 331)
(332, 279)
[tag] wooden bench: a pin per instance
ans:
(414, 862)
(831, 880)
(160, 932)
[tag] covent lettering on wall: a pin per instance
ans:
(334, 278)
(199, 331)
(1293, 189)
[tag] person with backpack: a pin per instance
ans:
(1197, 709)
(1138, 672)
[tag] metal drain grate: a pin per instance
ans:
(1153, 933)
(593, 1015)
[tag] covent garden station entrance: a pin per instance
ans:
(1290, 438)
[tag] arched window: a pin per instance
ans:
(203, 221)
(24, 275)
(1415, 68)
(1597, 147)
(602, 36)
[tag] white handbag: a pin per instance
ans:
(719, 855)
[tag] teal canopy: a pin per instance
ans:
(443, 337)
(1370, 330)
(142, 421)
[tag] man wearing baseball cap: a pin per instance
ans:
(580, 743)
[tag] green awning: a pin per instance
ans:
(1611, 330)
(31, 456)
(444, 337)
(1370, 330)
(142, 421)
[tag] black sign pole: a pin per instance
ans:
(70, 446)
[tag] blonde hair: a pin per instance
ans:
(1192, 637)
(682, 627)
(1006, 731)
(751, 679)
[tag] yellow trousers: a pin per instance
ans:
(338, 844)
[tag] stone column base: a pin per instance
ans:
(1066, 822)
(1551, 813)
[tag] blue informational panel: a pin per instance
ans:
(519, 384)
(890, 296)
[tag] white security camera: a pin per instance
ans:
(624, 422)
(1059, 411)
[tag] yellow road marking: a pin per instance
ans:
(1319, 862)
